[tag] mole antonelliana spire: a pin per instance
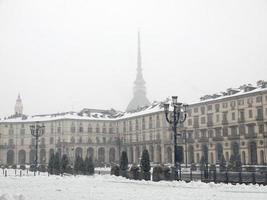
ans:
(139, 91)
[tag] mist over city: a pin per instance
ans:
(65, 55)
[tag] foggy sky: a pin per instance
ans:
(63, 55)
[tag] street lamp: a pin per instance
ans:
(36, 131)
(174, 118)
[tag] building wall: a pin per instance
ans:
(233, 124)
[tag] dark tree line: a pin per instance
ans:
(59, 165)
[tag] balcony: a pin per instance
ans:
(217, 138)
(32, 146)
(190, 140)
(234, 137)
(250, 135)
(42, 146)
(203, 139)
(196, 125)
(241, 120)
(209, 123)
(225, 122)
(259, 118)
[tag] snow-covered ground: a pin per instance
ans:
(100, 187)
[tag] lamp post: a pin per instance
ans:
(174, 118)
(36, 131)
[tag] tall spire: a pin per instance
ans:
(139, 90)
(18, 106)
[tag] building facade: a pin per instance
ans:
(229, 124)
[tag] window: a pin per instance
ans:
(104, 130)
(130, 126)
(10, 142)
(97, 128)
(218, 132)
(189, 112)
(259, 113)
(52, 129)
(22, 141)
(225, 105)
(266, 98)
(242, 130)
(203, 120)
(202, 110)
(250, 114)
(261, 128)
(43, 141)
(241, 102)
(59, 129)
(90, 130)
(233, 130)
(210, 133)
(217, 107)
(72, 128)
(217, 118)
(232, 104)
(81, 128)
(259, 99)
(250, 101)
(241, 115)
(150, 122)
(136, 125)
(251, 129)
(158, 122)
(233, 115)
(203, 133)
(51, 140)
(209, 107)
(143, 123)
(210, 118)
(11, 131)
(225, 131)
(195, 109)
(22, 132)
(224, 117)
(189, 121)
(110, 129)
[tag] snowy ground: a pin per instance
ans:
(100, 187)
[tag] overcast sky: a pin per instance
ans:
(63, 55)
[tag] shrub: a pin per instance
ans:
(145, 163)
(42, 168)
(56, 164)
(51, 164)
(115, 170)
(14, 166)
(64, 163)
(124, 161)
(22, 167)
(89, 166)
(79, 165)
(134, 171)
(157, 172)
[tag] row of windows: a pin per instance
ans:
(225, 131)
(232, 104)
(241, 116)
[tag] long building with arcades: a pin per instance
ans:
(229, 123)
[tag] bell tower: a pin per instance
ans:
(18, 106)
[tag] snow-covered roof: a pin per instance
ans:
(113, 115)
